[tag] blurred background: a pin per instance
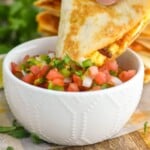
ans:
(17, 23)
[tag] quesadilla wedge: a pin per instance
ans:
(88, 30)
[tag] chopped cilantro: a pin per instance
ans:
(86, 63)
(145, 127)
(35, 139)
(113, 73)
(18, 131)
(10, 148)
(105, 86)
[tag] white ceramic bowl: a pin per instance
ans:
(68, 118)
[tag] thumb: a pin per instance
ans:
(107, 2)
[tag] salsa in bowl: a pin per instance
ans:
(71, 118)
(49, 72)
(63, 74)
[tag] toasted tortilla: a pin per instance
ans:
(143, 49)
(88, 29)
(147, 76)
(146, 31)
(53, 6)
(48, 23)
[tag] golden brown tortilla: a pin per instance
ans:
(53, 6)
(87, 27)
(48, 23)
(144, 51)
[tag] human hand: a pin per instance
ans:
(107, 2)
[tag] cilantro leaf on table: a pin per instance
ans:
(10, 148)
(17, 23)
(19, 132)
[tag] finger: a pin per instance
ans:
(107, 2)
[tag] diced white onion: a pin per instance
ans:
(116, 80)
(81, 60)
(51, 55)
(23, 72)
(87, 81)
(38, 58)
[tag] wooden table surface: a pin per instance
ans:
(132, 141)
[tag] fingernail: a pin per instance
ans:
(107, 2)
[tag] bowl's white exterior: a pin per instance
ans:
(71, 118)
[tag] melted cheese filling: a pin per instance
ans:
(118, 48)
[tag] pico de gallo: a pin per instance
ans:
(63, 74)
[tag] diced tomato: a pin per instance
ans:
(108, 76)
(76, 79)
(83, 88)
(43, 71)
(54, 74)
(15, 68)
(94, 88)
(93, 71)
(126, 75)
(100, 78)
(26, 58)
(59, 82)
(110, 65)
(73, 87)
(44, 85)
(28, 78)
(18, 75)
(35, 69)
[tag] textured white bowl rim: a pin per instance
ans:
(6, 67)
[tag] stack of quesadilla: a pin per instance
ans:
(142, 47)
(48, 18)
